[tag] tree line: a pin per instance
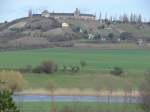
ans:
(125, 18)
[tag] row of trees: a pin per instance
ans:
(133, 18)
(112, 38)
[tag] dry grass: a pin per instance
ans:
(78, 92)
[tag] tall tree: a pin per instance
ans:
(145, 93)
(106, 18)
(125, 18)
(131, 18)
(139, 18)
(100, 16)
(6, 102)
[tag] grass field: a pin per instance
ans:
(83, 81)
(99, 63)
(79, 107)
(136, 60)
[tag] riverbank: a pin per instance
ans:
(78, 92)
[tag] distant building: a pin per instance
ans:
(75, 15)
(65, 25)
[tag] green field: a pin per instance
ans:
(83, 81)
(136, 60)
(79, 107)
(99, 64)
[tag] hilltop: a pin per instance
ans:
(48, 32)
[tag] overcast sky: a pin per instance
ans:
(12, 9)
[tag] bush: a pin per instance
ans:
(76, 28)
(46, 67)
(83, 63)
(71, 68)
(126, 36)
(101, 27)
(13, 81)
(97, 36)
(111, 36)
(117, 71)
(75, 69)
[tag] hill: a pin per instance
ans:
(34, 32)
(48, 32)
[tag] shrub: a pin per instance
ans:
(85, 31)
(75, 28)
(46, 67)
(111, 36)
(101, 27)
(117, 71)
(75, 69)
(97, 36)
(71, 68)
(126, 36)
(83, 63)
(13, 80)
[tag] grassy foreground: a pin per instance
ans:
(94, 75)
(79, 107)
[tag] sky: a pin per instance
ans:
(13, 9)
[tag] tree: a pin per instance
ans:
(14, 80)
(83, 63)
(100, 16)
(127, 95)
(126, 36)
(97, 36)
(131, 18)
(111, 36)
(46, 67)
(106, 18)
(134, 18)
(6, 102)
(51, 86)
(139, 19)
(145, 93)
(117, 71)
(125, 18)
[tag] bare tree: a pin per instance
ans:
(125, 18)
(127, 95)
(131, 18)
(99, 90)
(100, 16)
(139, 19)
(51, 86)
(145, 93)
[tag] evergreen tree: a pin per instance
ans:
(6, 102)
